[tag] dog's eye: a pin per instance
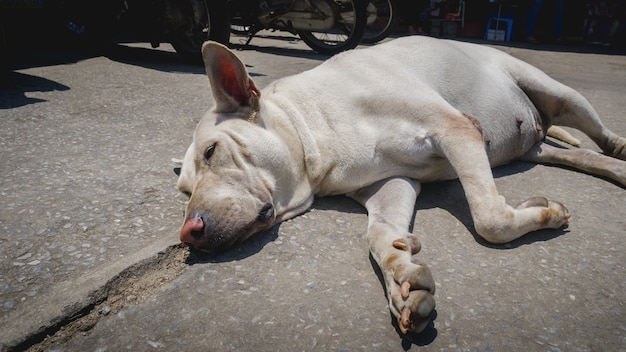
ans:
(209, 152)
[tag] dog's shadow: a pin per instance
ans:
(251, 246)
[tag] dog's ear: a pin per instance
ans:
(231, 85)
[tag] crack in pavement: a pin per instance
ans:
(133, 285)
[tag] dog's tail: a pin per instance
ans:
(563, 135)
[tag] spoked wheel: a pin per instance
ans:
(382, 19)
(345, 34)
(209, 22)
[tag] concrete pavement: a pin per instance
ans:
(90, 216)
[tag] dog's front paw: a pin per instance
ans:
(412, 299)
(410, 286)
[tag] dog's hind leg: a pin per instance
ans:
(575, 111)
(563, 106)
(410, 285)
(581, 159)
(494, 220)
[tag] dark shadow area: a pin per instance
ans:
(14, 87)
(560, 26)
(424, 338)
(342, 203)
(449, 196)
(168, 61)
(50, 56)
(575, 47)
(75, 51)
(238, 43)
(155, 59)
(249, 247)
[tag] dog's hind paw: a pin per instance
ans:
(616, 147)
(554, 215)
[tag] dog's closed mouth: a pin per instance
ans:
(202, 233)
(194, 233)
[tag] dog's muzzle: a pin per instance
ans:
(203, 233)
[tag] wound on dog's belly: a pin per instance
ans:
(476, 124)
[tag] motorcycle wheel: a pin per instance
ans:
(212, 24)
(383, 17)
(346, 33)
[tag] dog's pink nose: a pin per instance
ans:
(192, 231)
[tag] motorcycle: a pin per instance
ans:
(382, 19)
(326, 26)
(186, 24)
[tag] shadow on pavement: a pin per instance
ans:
(449, 196)
(238, 43)
(15, 86)
(249, 247)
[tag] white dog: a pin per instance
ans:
(374, 124)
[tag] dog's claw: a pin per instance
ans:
(401, 245)
(408, 244)
(417, 312)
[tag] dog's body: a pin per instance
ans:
(375, 124)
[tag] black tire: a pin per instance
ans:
(211, 23)
(346, 33)
(386, 20)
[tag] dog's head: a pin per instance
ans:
(231, 169)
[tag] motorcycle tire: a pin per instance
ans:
(215, 25)
(386, 20)
(347, 32)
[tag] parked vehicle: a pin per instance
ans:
(327, 26)
(382, 19)
(186, 24)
